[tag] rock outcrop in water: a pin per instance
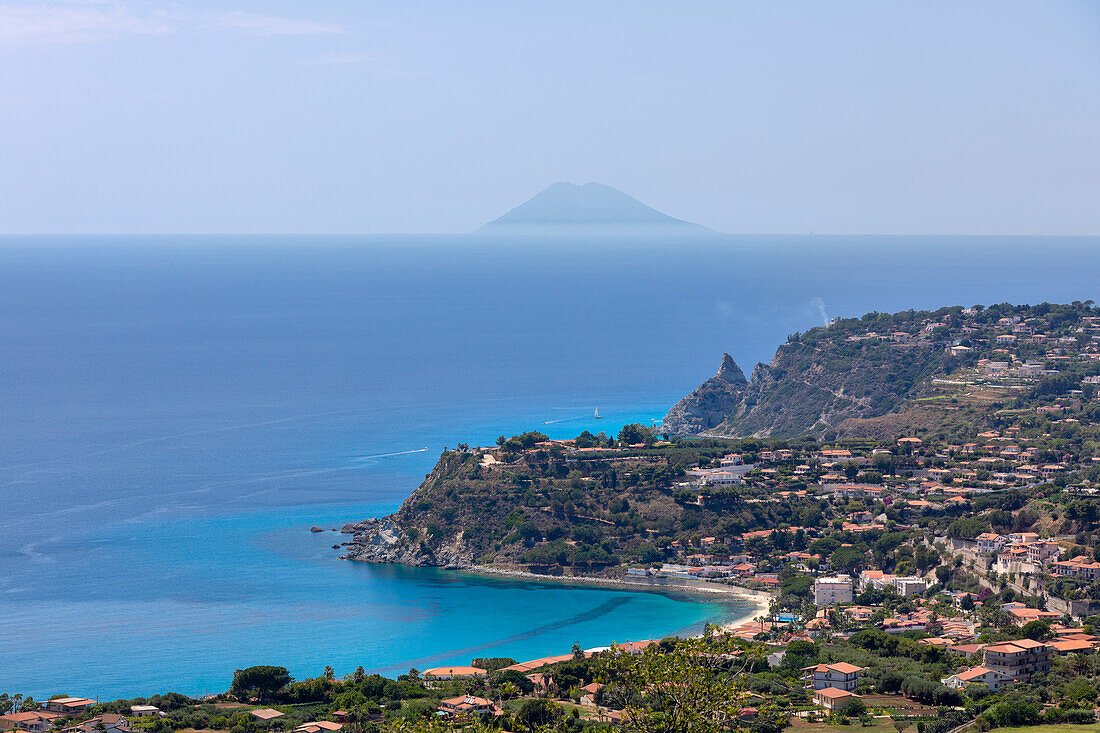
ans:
(388, 540)
(381, 541)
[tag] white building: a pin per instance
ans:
(990, 543)
(840, 675)
(991, 678)
(144, 711)
(908, 586)
(833, 590)
(722, 478)
(904, 585)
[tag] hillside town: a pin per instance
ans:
(943, 575)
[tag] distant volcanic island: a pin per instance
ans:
(565, 208)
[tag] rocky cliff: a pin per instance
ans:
(813, 385)
(381, 541)
(411, 536)
(711, 402)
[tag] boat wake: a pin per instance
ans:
(395, 453)
(564, 419)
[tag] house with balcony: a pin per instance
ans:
(1017, 659)
(69, 705)
(1040, 553)
(1077, 567)
(106, 723)
(989, 543)
(839, 675)
(991, 678)
(833, 699)
(35, 721)
(466, 705)
(833, 590)
(1021, 615)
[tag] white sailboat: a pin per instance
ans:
(597, 413)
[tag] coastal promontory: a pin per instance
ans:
(741, 459)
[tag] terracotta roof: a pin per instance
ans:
(842, 667)
(1070, 645)
(1012, 647)
(266, 713)
(976, 672)
(32, 715)
(453, 671)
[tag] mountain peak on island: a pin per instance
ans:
(591, 207)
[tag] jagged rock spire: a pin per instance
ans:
(729, 371)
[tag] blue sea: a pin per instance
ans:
(177, 412)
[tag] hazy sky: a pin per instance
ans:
(408, 116)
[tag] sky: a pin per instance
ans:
(407, 116)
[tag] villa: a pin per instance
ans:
(839, 675)
(991, 678)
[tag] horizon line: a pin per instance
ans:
(710, 234)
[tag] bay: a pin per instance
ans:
(176, 412)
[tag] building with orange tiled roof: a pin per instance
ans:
(839, 675)
(36, 721)
(832, 698)
(467, 704)
(453, 673)
(991, 678)
(1018, 659)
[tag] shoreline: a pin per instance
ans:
(760, 601)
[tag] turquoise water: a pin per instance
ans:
(257, 588)
(177, 412)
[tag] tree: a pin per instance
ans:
(539, 712)
(511, 677)
(261, 681)
(1080, 690)
(1013, 712)
(847, 559)
(636, 433)
(696, 687)
(854, 708)
(1038, 630)
(967, 527)
(491, 664)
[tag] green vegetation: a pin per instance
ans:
(929, 430)
(877, 375)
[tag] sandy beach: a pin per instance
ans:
(760, 600)
(762, 605)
